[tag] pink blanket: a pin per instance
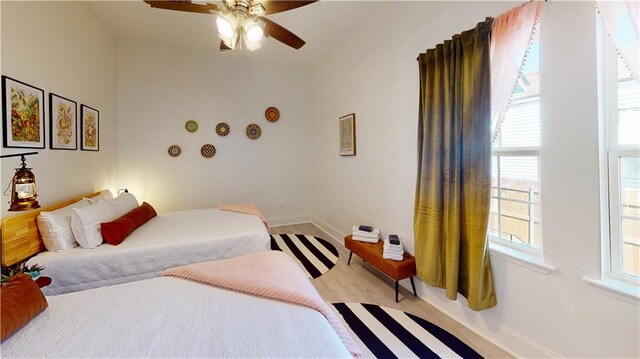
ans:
(270, 274)
(244, 208)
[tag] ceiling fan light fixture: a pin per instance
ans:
(232, 15)
(254, 30)
(226, 27)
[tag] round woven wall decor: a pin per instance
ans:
(208, 151)
(272, 114)
(191, 126)
(254, 131)
(222, 129)
(174, 151)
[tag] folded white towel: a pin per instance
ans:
(375, 230)
(365, 234)
(388, 245)
(393, 252)
(365, 239)
(374, 233)
(392, 257)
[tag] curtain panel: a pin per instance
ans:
(454, 168)
(611, 14)
(511, 36)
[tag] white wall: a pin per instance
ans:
(159, 89)
(375, 74)
(61, 47)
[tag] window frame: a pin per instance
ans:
(610, 153)
(524, 151)
(499, 152)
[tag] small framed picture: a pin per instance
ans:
(23, 114)
(63, 119)
(348, 135)
(90, 127)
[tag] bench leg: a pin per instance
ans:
(413, 286)
(350, 255)
(396, 291)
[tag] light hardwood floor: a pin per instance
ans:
(359, 282)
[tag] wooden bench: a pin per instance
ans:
(372, 253)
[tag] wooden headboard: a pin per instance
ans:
(20, 236)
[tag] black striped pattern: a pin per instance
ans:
(314, 255)
(388, 333)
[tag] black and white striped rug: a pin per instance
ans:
(383, 332)
(314, 255)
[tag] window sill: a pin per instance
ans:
(530, 261)
(623, 291)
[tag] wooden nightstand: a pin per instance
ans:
(372, 253)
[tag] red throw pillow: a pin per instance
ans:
(116, 231)
(143, 213)
(22, 300)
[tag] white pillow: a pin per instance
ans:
(85, 223)
(55, 227)
(104, 196)
(124, 203)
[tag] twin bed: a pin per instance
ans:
(172, 317)
(126, 312)
(168, 240)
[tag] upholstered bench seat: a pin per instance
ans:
(372, 253)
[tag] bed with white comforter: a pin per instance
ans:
(171, 239)
(172, 317)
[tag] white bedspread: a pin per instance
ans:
(171, 317)
(169, 240)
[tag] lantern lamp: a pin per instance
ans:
(23, 187)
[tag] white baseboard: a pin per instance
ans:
(289, 220)
(524, 341)
(332, 231)
(519, 345)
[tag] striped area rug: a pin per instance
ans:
(383, 332)
(314, 255)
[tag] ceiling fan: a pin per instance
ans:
(241, 22)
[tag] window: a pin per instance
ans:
(620, 95)
(514, 219)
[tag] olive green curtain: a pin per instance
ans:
(454, 168)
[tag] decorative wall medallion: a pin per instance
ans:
(174, 151)
(222, 129)
(254, 131)
(208, 151)
(272, 114)
(191, 126)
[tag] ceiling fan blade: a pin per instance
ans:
(182, 5)
(281, 34)
(224, 47)
(273, 6)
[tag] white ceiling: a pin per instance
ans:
(321, 25)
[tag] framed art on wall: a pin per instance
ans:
(23, 114)
(63, 132)
(347, 126)
(90, 126)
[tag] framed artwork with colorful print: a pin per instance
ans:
(90, 128)
(63, 119)
(347, 125)
(23, 114)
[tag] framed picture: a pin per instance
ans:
(90, 127)
(348, 135)
(63, 131)
(23, 114)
